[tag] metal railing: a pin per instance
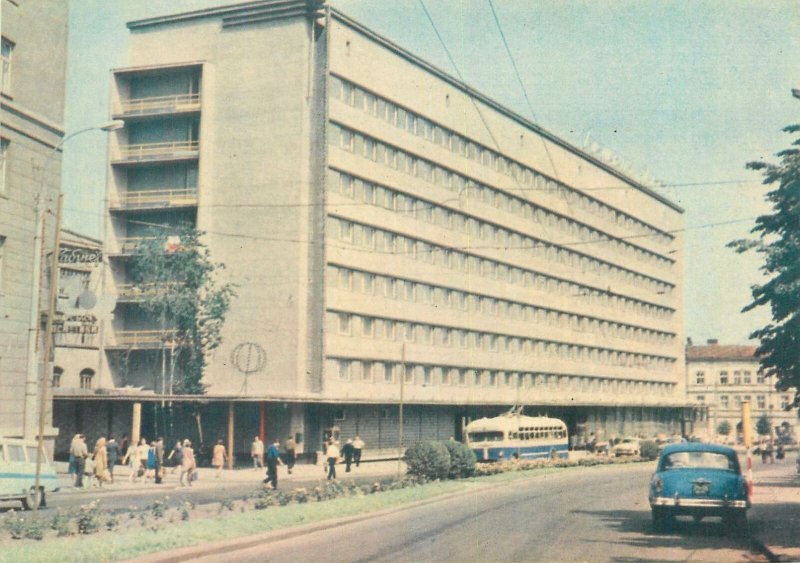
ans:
(154, 198)
(142, 339)
(131, 291)
(160, 104)
(129, 245)
(159, 151)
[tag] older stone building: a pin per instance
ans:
(32, 82)
(721, 376)
(389, 228)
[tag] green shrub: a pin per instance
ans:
(89, 518)
(462, 460)
(428, 460)
(649, 449)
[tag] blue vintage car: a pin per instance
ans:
(699, 480)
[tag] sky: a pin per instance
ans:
(689, 91)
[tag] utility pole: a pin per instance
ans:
(402, 398)
(48, 351)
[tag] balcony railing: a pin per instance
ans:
(158, 151)
(127, 246)
(157, 105)
(145, 199)
(131, 292)
(143, 339)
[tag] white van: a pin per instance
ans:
(18, 473)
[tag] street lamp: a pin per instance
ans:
(52, 295)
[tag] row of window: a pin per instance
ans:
(373, 239)
(761, 401)
(358, 144)
(530, 179)
(740, 377)
(86, 377)
(438, 296)
(349, 324)
(496, 236)
(346, 369)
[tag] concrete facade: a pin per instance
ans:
(385, 223)
(31, 128)
(720, 377)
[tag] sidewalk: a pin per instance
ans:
(775, 515)
(207, 479)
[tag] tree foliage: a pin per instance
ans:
(763, 426)
(181, 291)
(724, 428)
(777, 239)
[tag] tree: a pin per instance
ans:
(778, 241)
(174, 273)
(763, 425)
(724, 428)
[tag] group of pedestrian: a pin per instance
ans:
(350, 453)
(98, 466)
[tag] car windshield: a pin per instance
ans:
(706, 460)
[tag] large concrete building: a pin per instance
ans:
(385, 224)
(721, 377)
(32, 84)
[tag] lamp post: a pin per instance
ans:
(46, 354)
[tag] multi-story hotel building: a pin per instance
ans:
(721, 377)
(388, 227)
(32, 84)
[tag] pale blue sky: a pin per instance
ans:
(688, 90)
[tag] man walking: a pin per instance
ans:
(358, 445)
(257, 453)
(347, 452)
(273, 460)
(159, 459)
(332, 455)
(80, 453)
(291, 454)
(112, 451)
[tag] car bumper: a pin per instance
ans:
(699, 502)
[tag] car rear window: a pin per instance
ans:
(706, 460)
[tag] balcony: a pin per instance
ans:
(142, 339)
(154, 199)
(157, 152)
(127, 246)
(129, 292)
(158, 105)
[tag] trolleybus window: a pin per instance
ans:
(15, 453)
(485, 436)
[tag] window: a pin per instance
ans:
(737, 378)
(366, 371)
(701, 399)
(761, 401)
(747, 379)
(87, 375)
(760, 378)
(344, 323)
(344, 370)
(723, 378)
(784, 402)
(6, 49)
(737, 401)
(3, 159)
(2, 253)
(700, 378)
(57, 373)
(408, 376)
(723, 401)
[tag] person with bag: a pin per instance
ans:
(273, 461)
(188, 467)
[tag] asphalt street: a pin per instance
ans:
(599, 514)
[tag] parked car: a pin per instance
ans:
(676, 439)
(18, 473)
(628, 446)
(699, 480)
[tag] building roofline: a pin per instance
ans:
(79, 235)
(414, 59)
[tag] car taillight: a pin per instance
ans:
(658, 485)
(745, 489)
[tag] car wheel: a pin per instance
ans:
(33, 500)
(662, 518)
(736, 521)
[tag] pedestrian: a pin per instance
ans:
(101, 472)
(218, 457)
(112, 451)
(159, 460)
(188, 465)
(72, 468)
(771, 452)
(143, 454)
(176, 456)
(291, 453)
(123, 446)
(332, 456)
(358, 445)
(79, 451)
(151, 461)
(273, 461)
(131, 459)
(780, 454)
(257, 453)
(347, 452)
(763, 450)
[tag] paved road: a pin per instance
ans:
(600, 514)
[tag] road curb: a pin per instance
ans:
(766, 550)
